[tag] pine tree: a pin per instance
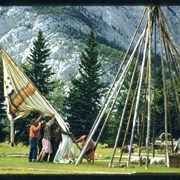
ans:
(40, 74)
(2, 110)
(37, 69)
(173, 126)
(2, 106)
(83, 103)
(57, 95)
(159, 122)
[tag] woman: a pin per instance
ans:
(65, 152)
(90, 149)
(46, 141)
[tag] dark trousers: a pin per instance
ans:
(39, 145)
(55, 145)
(33, 148)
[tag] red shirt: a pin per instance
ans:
(34, 131)
(82, 140)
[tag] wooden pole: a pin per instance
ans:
(116, 96)
(169, 29)
(174, 90)
(107, 103)
(154, 100)
(119, 70)
(138, 97)
(129, 119)
(144, 111)
(117, 93)
(175, 93)
(124, 109)
(173, 82)
(150, 27)
(12, 132)
(164, 82)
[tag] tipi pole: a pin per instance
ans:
(107, 103)
(169, 29)
(144, 110)
(154, 92)
(117, 93)
(175, 93)
(173, 62)
(164, 84)
(119, 70)
(168, 41)
(150, 28)
(138, 97)
(176, 98)
(124, 109)
(129, 119)
(169, 56)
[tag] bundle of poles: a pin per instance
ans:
(156, 31)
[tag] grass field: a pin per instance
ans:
(14, 160)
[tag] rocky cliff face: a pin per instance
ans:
(65, 29)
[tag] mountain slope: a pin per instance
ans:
(66, 27)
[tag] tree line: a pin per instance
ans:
(81, 103)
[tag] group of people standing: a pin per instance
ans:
(47, 137)
(44, 139)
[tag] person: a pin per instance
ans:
(55, 139)
(162, 137)
(65, 152)
(90, 149)
(46, 142)
(177, 147)
(41, 135)
(33, 138)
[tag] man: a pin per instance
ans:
(33, 138)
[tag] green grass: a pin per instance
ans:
(10, 164)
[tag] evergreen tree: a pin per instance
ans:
(40, 73)
(37, 69)
(173, 126)
(159, 121)
(2, 106)
(57, 95)
(83, 102)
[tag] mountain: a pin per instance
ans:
(65, 28)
